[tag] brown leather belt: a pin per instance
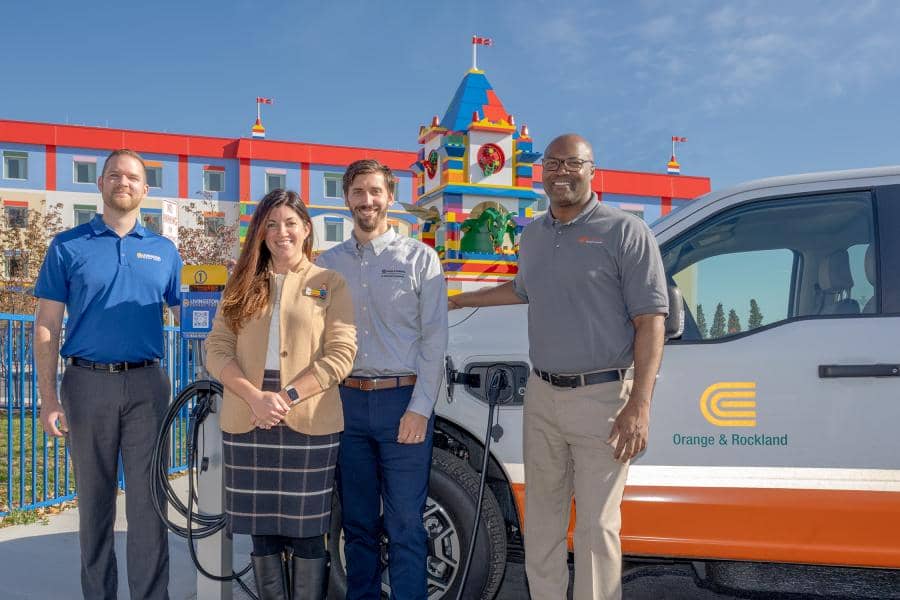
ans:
(368, 384)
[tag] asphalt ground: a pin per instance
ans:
(41, 561)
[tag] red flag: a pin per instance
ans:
(675, 138)
(261, 100)
(482, 40)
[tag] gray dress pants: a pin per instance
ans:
(108, 413)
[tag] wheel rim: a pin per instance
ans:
(444, 552)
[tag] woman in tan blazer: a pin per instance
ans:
(282, 340)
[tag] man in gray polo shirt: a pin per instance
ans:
(593, 279)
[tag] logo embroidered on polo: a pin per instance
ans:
(588, 240)
(145, 256)
(393, 273)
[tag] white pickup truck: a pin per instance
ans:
(773, 438)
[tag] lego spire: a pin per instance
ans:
(258, 131)
(672, 167)
(479, 41)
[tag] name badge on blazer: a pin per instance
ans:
(321, 293)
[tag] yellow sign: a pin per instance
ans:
(730, 404)
(204, 275)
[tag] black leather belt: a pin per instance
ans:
(574, 381)
(110, 367)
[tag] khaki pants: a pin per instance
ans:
(565, 433)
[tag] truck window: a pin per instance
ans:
(772, 260)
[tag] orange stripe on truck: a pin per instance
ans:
(829, 527)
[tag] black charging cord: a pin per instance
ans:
(203, 395)
(498, 379)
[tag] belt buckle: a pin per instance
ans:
(367, 385)
(557, 380)
(562, 380)
(117, 368)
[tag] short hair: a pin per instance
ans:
(125, 152)
(365, 166)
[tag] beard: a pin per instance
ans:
(126, 203)
(370, 222)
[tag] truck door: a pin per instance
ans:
(759, 446)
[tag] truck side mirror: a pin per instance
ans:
(675, 318)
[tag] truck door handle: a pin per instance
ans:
(833, 371)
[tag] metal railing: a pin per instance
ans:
(35, 469)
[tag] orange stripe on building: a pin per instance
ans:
(828, 527)
(244, 180)
(666, 206)
(304, 182)
(182, 176)
(50, 162)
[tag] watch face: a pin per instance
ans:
(292, 394)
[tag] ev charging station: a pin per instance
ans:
(201, 287)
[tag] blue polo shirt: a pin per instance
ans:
(114, 290)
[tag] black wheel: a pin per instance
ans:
(449, 512)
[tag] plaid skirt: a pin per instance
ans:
(279, 481)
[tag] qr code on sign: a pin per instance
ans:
(200, 319)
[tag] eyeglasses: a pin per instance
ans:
(572, 164)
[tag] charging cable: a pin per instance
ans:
(498, 377)
(203, 395)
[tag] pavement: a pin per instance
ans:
(41, 561)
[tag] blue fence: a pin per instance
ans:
(35, 469)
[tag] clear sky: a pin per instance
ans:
(758, 88)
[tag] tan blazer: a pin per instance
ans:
(317, 336)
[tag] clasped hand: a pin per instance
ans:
(268, 408)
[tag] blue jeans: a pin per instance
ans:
(374, 468)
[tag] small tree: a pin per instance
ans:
(717, 329)
(24, 248)
(701, 322)
(202, 243)
(756, 316)
(24, 244)
(734, 322)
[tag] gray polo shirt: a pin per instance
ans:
(584, 281)
(400, 303)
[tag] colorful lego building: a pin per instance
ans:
(468, 191)
(478, 186)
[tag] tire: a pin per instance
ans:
(449, 513)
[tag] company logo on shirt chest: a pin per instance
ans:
(145, 256)
(589, 240)
(393, 273)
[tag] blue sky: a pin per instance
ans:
(758, 88)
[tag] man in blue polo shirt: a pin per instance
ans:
(113, 277)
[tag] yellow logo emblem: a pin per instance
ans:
(730, 404)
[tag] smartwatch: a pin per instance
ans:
(292, 394)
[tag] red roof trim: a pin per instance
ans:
(78, 136)
(636, 183)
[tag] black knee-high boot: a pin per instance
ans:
(309, 578)
(269, 573)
